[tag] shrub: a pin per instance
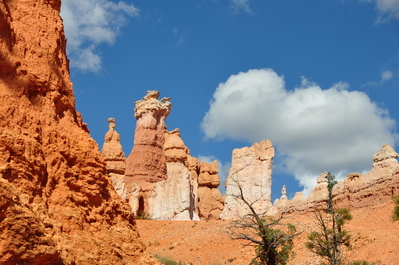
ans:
(395, 212)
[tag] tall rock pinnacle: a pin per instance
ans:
(146, 162)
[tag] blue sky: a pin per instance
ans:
(320, 79)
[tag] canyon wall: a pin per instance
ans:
(57, 204)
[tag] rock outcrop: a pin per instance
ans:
(355, 191)
(115, 159)
(162, 180)
(378, 185)
(57, 205)
(158, 183)
(174, 198)
(251, 169)
(146, 163)
(210, 200)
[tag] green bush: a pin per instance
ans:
(363, 262)
(395, 212)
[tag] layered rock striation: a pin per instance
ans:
(57, 205)
(146, 163)
(251, 170)
(210, 200)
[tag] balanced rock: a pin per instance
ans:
(251, 170)
(57, 205)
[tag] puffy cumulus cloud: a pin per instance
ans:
(314, 130)
(90, 23)
(238, 5)
(386, 9)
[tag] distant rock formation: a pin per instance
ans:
(162, 181)
(210, 200)
(251, 168)
(115, 159)
(158, 182)
(378, 185)
(355, 191)
(57, 205)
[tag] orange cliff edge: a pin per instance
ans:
(57, 204)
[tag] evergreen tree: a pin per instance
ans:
(328, 241)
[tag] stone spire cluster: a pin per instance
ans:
(161, 181)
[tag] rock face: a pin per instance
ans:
(210, 200)
(355, 191)
(146, 163)
(378, 185)
(57, 205)
(115, 159)
(174, 198)
(251, 168)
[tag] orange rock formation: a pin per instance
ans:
(57, 205)
(251, 169)
(146, 163)
(162, 181)
(115, 159)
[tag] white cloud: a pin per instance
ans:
(386, 9)
(240, 5)
(90, 23)
(314, 130)
(386, 75)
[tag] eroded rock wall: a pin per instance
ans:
(251, 169)
(57, 204)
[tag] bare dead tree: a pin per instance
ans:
(272, 239)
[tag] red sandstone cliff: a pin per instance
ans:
(57, 205)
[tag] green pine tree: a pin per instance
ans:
(329, 240)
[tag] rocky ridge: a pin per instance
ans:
(355, 191)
